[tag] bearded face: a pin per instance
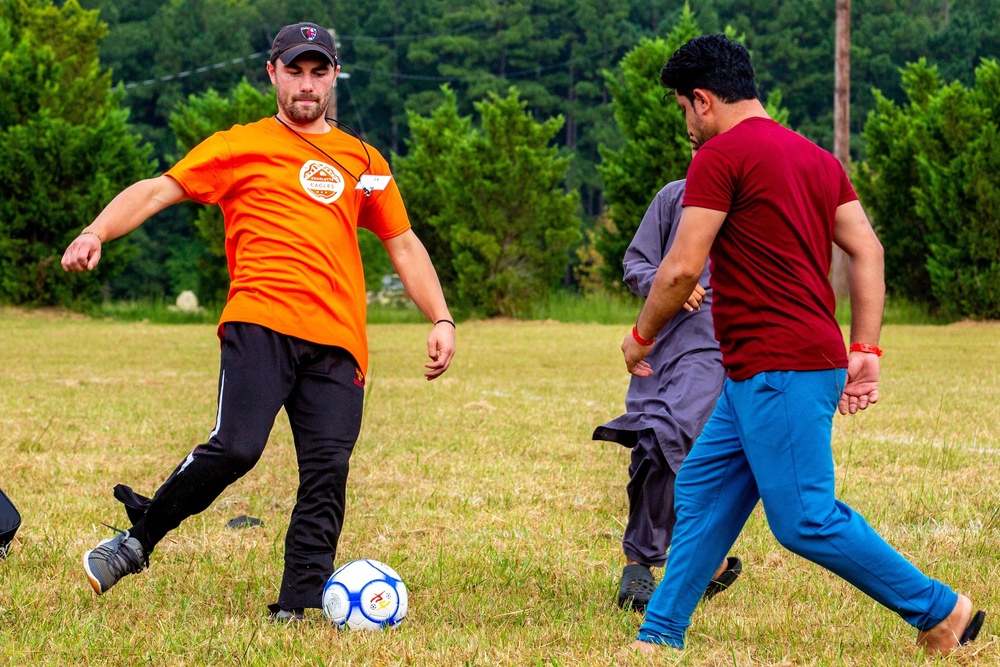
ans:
(303, 87)
(302, 108)
(700, 128)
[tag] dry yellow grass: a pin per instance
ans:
(483, 489)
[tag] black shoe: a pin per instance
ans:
(113, 559)
(734, 567)
(636, 587)
(972, 630)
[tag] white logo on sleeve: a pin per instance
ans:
(321, 181)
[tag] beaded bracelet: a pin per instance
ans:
(92, 234)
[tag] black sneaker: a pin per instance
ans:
(636, 587)
(112, 559)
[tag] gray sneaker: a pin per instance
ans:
(112, 559)
(278, 615)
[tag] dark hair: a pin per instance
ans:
(713, 63)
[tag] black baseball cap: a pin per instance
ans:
(294, 40)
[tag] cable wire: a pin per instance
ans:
(396, 75)
(200, 70)
(481, 77)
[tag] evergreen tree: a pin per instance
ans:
(930, 184)
(494, 194)
(65, 149)
(656, 151)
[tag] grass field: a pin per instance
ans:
(483, 489)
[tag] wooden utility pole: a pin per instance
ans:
(842, 126)
(331, 106)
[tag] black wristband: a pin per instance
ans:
(448, 321)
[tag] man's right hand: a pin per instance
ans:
(129, 209)
(83, 253)
(695, 300)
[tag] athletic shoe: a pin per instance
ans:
(279, 615)
(113, 559)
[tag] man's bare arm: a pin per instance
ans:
(413, 264)
(866, 277)
(132, 207)
(675, 280)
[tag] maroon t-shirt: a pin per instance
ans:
(774, 306)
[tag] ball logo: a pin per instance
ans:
(380, 601)
(321, 181)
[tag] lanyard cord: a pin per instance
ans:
(368, 192)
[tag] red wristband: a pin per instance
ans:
(865, 347)
(639, 339)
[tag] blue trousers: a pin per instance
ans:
(769, 440)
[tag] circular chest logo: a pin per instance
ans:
(321, 181)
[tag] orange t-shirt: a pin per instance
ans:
(292, 216)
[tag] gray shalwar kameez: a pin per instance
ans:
(667, 410)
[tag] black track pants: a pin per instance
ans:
(322, 390)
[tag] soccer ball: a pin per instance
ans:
(364, 595)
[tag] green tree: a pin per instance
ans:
(884, 182)
(931, 187)
(434, 144)
(164, 51)
(65, 149)
(493, 196)
(656, 149)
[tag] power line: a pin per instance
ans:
(396, 75)
(365, 38)
(481, 77)
(261, 54)
(200, 70)
(405, 38)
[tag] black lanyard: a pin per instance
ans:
(368, 192)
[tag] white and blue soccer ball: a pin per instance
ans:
(364, 595)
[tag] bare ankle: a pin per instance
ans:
(944, 637)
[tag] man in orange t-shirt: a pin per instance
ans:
(294, 192)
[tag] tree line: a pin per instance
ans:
(126, 87)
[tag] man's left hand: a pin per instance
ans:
(635, 355)
(861, 389)
(440, 348)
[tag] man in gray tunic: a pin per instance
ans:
(665, 411)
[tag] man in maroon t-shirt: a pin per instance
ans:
(766, 205)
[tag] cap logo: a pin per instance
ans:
(309, 33)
